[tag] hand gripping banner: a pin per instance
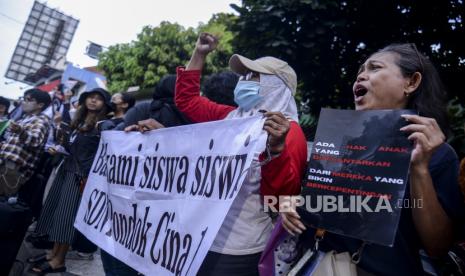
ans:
(157, 200)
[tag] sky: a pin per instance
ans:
(105, 22)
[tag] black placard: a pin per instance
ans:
(360, 159)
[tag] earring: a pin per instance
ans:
(406, 94)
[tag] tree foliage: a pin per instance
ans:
(221, 26)
(326, 41)
(157, 51)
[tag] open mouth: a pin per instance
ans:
(359, 92)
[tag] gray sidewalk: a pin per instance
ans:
(73, 267)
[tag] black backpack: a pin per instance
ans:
(164, 111)
(167, 114)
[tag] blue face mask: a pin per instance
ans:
(246, 94)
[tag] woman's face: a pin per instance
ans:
(94, 102)
(380, 84)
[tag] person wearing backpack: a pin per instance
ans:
(161, 109)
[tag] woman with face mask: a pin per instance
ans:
(399, 77)
(61, 206)
(266, 84)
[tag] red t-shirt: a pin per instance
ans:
(283, 174)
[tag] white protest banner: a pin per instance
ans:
(157, 200)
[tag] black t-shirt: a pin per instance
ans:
(403, 258)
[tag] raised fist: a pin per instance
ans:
(206, 43)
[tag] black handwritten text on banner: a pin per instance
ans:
(157, 200)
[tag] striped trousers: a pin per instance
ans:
(60, 208)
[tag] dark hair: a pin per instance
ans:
(429, 99)
(219, 87)
(39, 96)
(85, 124)
(6, 103)
(61, 88)
(129, 99)
(165, 88)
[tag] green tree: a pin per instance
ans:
(158, 51)
(326, 41)
(221, 26)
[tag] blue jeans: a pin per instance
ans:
(115, 267)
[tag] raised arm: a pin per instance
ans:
(206, 43)
(187, 97)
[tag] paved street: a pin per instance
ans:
(74, 267)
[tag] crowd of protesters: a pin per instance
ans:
(48, 144)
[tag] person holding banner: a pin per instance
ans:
(160, 112)
(266, 84)
(60, 208)
(399, 77)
